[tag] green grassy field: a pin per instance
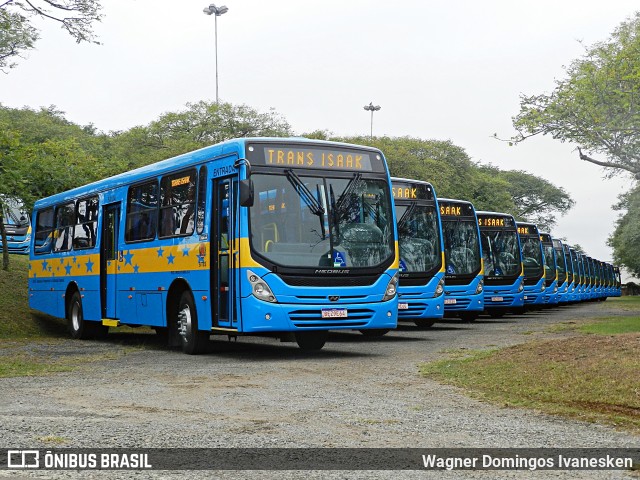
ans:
(591, 376)
(16, 321)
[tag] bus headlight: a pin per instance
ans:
(260, 288)
(392, 288)
(480, 287)
(555, 289)
(439, 289)
(521, 286)
(566, 288)
(544, 287)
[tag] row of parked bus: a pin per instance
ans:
(455, 260)
(289, 238)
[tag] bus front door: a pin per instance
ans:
(109, 259)
(223, 249)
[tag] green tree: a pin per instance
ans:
(17, 33)
(626, 236)
(535, 199)
(597, 105)
(41, 154)
(200, 124)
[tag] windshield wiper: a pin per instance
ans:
(407, 213)
(304, 193)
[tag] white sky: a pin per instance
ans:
(445, 70)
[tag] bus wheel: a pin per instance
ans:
(375, 332)
(78, 326)
(310, 341)
(193, 341)
(424, 322)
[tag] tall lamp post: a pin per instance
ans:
(372, 108)
(216, 11)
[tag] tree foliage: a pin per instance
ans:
(17, 33)
(626, 236)
(200, 124)
(597, 105)
(455, 175)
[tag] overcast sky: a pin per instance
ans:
(445, 70)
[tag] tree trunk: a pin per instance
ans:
(5, 248)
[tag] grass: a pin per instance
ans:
(592, 377)
(16, 321)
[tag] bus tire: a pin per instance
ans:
(79, 327)
(424, 322)
(311, 341)
(375, 332)
(192, 340)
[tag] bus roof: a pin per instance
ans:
(176, 163)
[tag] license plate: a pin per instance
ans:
(403, 306)
(449, 301)
(497, 299)
(334, 313)
(525, 297)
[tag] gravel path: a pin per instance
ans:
(356, 392)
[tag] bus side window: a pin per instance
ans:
(44, 231)
(142, 212)
(65, 220)
(177, 199)
(84, 234)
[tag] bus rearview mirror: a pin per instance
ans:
(246, 193)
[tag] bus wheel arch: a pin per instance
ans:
(182, 319)
(79, 328)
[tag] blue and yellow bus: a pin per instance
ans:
(563, 271)
(264, 236)
(551, 270)
(533, 263)
(502, 259)
(464, 269)
(17, 226)
(421, 289)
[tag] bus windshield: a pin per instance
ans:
(561, 266)
(15, 215)
(532, 257)
(501, 254)
(418, 238)
(549, 263)
(461, 246)
(318, 221)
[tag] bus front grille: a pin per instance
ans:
(414, 310)
(357, 317)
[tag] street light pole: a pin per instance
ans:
(216, 11)
(372, 108)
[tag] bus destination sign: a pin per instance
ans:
(486, 221)
(411, 191)
(452, 209)
(527, 229)
(315, 158)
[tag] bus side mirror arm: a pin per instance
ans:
(246, 186)
(246, 193)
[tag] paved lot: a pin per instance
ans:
(356, 392)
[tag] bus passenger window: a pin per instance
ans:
(142, 204)
(177, 199)
(44, 232)
(65, 219)
(84, 235)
